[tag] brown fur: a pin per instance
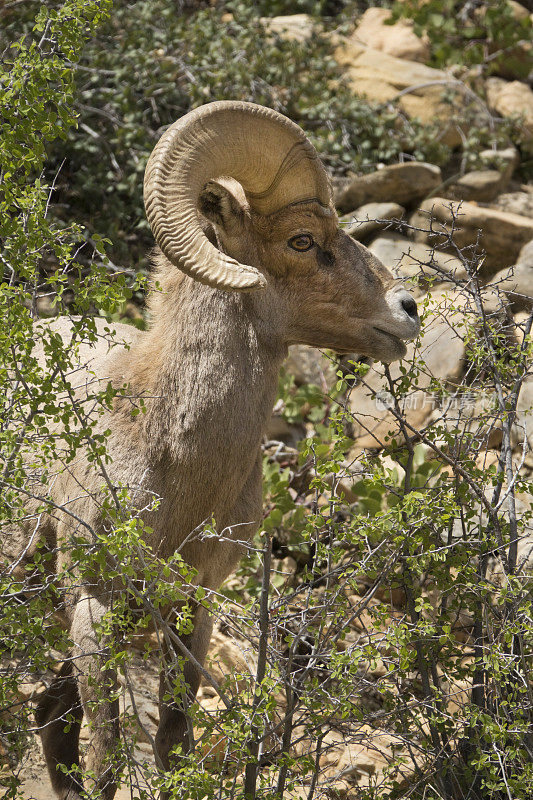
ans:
(207, 368)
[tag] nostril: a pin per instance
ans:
(409, 306)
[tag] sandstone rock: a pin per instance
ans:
(339, 183)
(525, 256)
(132, 311)
(228, 659)
(524, 408)
(520, 12)
(398, 40)
(347, 758)
(520, 203)
(524, 561)
(372, 422)
(46, 306)
(442, 346)
(307, 365)
(503, 234)
(441, 349)
(279, 430)
(471, 413)
(413, 259)
(481, 186)
(370, 218)
(520, 320)
(517, 282)
(366, 759)
(463, 620)
(525, 545)
(505, 161)
(381, 77)
(512, 99)
(293, 27)
(484, 185)
(39, 788)
(401, 183)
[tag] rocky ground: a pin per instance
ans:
(347, 763)
(390, 210)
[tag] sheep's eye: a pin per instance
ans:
(302, 242)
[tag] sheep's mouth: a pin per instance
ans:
(396, 339)
(395, 344)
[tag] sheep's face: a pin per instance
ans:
(335, 293)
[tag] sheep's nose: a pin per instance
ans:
(409, 306)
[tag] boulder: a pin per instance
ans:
(520, 320)
(517, 282)
(339, 183)
(279, 430)
(397, 40)
(307, 365)
(520, 203)
(229, 658)
(525, 256)
(469, 414)
(505, 161)
(502, 234)
(418, 90)
(512, 99)
(413, 259)
(524, 411)
(293, 27)
(364, 759)
(520, 12)
(441, 349)
(485, 184)
(441, 342)
(524, 562)
(370, 218)
(482, 186)
(401, 183)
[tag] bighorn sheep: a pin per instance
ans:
(251, 259)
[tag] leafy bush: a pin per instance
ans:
(484, 33)
(427, 559)
(36, 100)
(279, 7)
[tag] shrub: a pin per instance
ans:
(482, 33)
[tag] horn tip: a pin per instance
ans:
(257, 281)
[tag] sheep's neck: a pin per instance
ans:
(210, 364)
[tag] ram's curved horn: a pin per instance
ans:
(268, 154)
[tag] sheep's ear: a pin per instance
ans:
(223, 203)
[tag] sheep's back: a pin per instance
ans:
(92, 366)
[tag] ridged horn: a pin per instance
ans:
(268, 154)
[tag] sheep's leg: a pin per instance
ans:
(173, 723)
(95, 685)
(59, 708)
